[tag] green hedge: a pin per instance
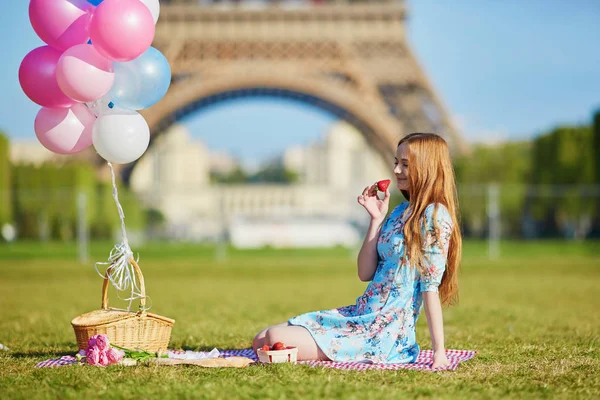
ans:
(106, 216)
(5, 192)
(46, 202)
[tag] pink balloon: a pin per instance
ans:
(83, 74)
(61, 23)
(122, 30)
(65, 130)
(37, 76)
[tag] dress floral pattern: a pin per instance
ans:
(380, 327)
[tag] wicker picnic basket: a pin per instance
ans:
(133, 330)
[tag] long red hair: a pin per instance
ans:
(431, 181)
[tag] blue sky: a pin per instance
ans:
(506, 69)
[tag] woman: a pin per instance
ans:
(411, 259)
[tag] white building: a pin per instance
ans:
(174, 162)
(222, 163)
(173, 177)
(343, 161)
(31, 151)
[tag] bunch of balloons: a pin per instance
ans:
(95, 72)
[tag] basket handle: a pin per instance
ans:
(138, 272)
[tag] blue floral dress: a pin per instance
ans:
(380, 327)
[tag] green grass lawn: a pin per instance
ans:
(533, 316)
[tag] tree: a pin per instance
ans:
(5, 189)
(596, 169)
(26, 186)
(274, 172)
(106, 220)
(46, 200)
(507, 164)
(562, 158)
(237, 175)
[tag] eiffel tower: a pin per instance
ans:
(348, 57)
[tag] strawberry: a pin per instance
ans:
(265, 348)
(278, 346)
(383, 185)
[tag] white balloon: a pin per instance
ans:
(154, 8)
(121, 138)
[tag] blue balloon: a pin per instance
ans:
(95, 2)
(142, 82)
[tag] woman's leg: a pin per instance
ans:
(297, 336)
(259, 339)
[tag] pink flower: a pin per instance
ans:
(103, 359)
(114, 355)
(92, 341)
(102, 342)
(93, 355)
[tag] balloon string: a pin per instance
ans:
(122, 272)
(115, 195)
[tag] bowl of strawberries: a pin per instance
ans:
(278, 353)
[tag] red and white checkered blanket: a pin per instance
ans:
(57, 362)
(423, 363)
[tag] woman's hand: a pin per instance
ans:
(376, 207)
(440, 360)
